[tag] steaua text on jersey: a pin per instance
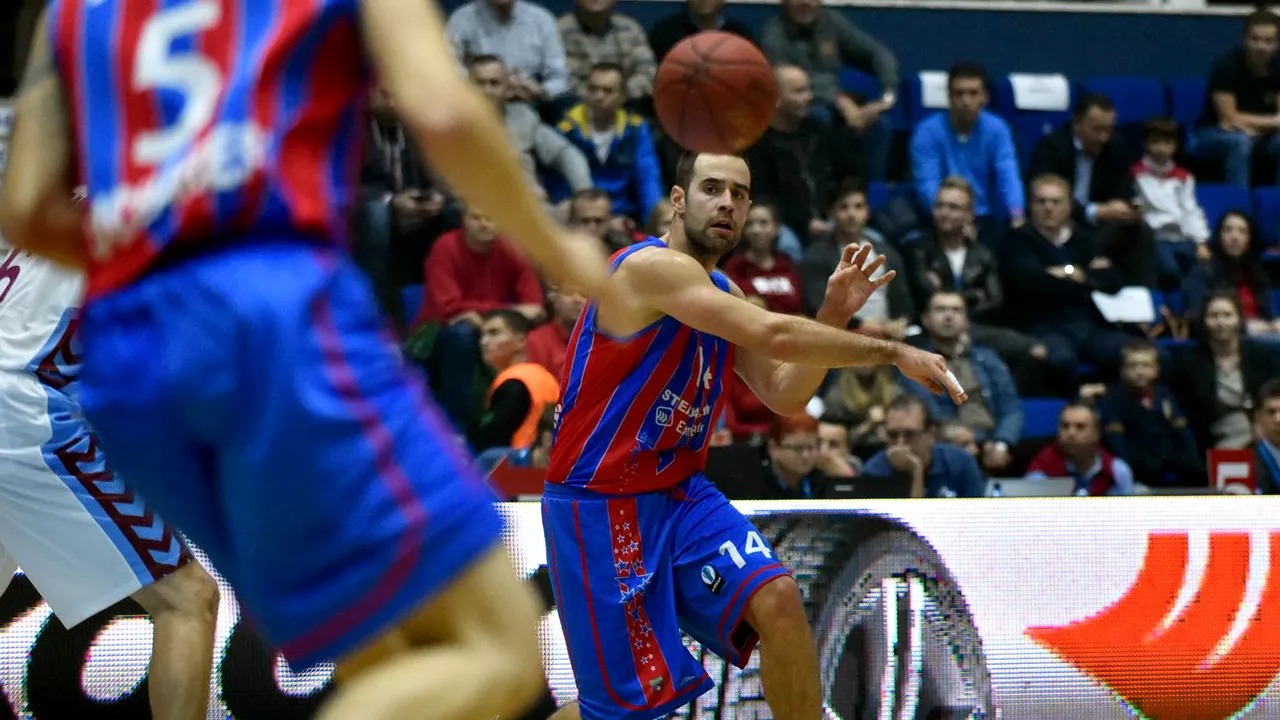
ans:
(202, 121)
(636, 414)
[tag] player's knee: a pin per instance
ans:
(776, 606)
(189, 591)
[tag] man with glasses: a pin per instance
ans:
(913, 454)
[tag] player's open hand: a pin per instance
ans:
(931, 371)
(851, 285)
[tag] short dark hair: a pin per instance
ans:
(1139, 347)
(1092, 101)
(907, 402)
(769, 207)
(684, 169)
(518, 323)
(851, 185)
(928, 305)
(1270, 390)
(966, 70)
(606, 66)
(1261, 17)
(587, 195)
(483, 59)
(1082, 405)
(1161, 128)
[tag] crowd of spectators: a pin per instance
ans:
(1011, 261)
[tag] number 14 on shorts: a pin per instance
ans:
(753, 544)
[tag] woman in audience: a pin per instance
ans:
(857, 397)
(1235, 266)
(760, 269)
(794, 453)
(1218, 377)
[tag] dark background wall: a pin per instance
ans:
(1080, 44)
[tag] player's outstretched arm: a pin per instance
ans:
(675, 284)
(465, 141)
(37, 210)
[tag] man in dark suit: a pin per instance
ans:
(1050, 270)
(1097, 169)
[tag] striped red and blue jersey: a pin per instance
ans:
(636, 414)
(203, 122)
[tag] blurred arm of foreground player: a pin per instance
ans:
(464, 140)
(37, 210)
(667, 282)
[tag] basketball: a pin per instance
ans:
(715, 93)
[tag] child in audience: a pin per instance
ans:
(1167, 193)
(1143, 425)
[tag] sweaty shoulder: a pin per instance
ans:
(650, 275)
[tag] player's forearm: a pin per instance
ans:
(794, 384)
(801, 341)
(470, 151)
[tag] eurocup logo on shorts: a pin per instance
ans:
(1198, 629)
(712, 579)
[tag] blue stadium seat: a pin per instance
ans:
(1040, 416)
(1266, 215)
(410, 302)
(1002, 104)
(913, 94)
(879, 193)
(1218, 199)
(866, 86)
(1028, 128)
(1186, 100)
(1137, 99)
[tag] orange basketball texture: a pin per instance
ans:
(715, 93)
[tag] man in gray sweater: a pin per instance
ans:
(539, 144)
(820, 41)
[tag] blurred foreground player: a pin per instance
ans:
(83, 538)
(235, 363)
(640, 543)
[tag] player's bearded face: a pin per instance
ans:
(713, 221)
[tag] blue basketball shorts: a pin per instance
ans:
(630, 572)
(254, 396)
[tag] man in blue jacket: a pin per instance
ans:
(617, 143)
(993, 412)
(969, 141)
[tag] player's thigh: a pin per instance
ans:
(485, 608)
(612, 578)
(722, 560)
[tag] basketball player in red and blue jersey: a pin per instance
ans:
(641, 545)
(235, 363)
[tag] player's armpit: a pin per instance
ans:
(37, 210)
(785, 388)
(675, 284)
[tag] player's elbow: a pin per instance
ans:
(778, 338)
(17, 219)
(449, 113)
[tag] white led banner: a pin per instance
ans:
(1015, 608)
